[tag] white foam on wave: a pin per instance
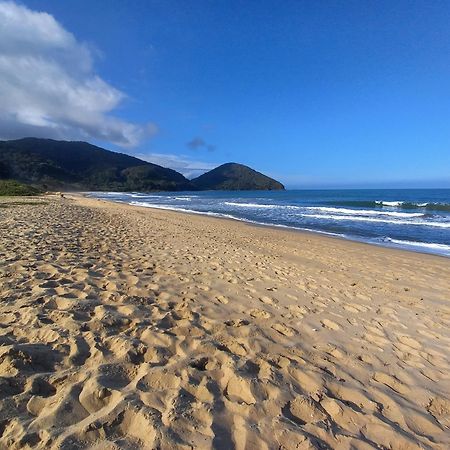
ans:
(101, 194)
(136, 195)
(385, 203)
(428, 245)
(346, 211)
(250, 205)
(376, 219)
(262, 205)
(363, 212)
(176, 208)
(229, 216)
(400, 203)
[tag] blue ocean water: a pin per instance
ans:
(413, 219)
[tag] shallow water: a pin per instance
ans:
(413, 219)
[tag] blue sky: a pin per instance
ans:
(314, 93)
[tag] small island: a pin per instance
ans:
(236, 177)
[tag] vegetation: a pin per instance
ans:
(64, 165)
(232, 177)
(12, 188)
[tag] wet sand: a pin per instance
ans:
(127, 327)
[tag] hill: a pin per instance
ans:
(68, 165)
(233, 177)
(63, 165)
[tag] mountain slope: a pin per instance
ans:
(79, 165)
(233, 176)
(65, 165)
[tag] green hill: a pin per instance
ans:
(233, 177)
(62, 165)
(81, 166)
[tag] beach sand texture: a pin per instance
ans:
(132, 328)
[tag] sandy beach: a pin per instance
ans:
(124, 328)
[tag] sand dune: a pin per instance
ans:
(132, 328)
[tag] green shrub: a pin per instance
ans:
(14, 188)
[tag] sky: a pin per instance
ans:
(318, 94)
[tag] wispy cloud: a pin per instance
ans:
(49, 87)
(199, 143)
(181, 163)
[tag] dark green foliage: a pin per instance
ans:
(63, 165)
(66, 165)
(4, 170)
(14, 188)
(233, 177)
(149, 177)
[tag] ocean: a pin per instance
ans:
(412, 219)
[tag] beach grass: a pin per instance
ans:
(12, 188)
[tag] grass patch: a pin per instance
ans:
(12, 188)
(7, 204)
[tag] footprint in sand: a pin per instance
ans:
(283, 329)
(260, 314)
(238, 390)
(410, 342)
(232, 346)
(385, 437)
(237, 322)
(222, 299)
(349, 395)
(203, 287)
(363, 297)
(439, 408)
(330, 324)
(391, 382)
(267, 300)
(305, 410)
(336, 353)
(310, 381)
(355, 308)
(331, 406)
(375, 340)
(351, 309)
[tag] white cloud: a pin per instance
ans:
(181, 163)
(48, 85)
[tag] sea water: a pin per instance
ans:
(413, 219)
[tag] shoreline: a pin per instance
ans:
(123, 326)
(282, 228)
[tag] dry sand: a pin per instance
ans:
(132, 328)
